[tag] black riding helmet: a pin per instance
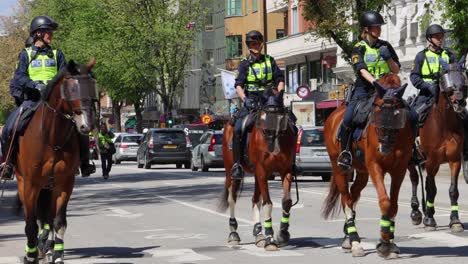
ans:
(253, 36)
(434, 29)
(371, 18)
(42, 22)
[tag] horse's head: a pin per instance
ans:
(78, 95)
(454, 85)
(389, 114)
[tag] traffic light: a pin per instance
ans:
(169, 122)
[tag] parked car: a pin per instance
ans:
(126, 146)
(311, 154)
(209, 152)
(164, 146)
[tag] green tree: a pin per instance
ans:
(455, 13)
(337, 19)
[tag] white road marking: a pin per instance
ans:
(177, 255)
(91, 261)
(447, 239)
(253, 250)
(10, 260)
(122, 213)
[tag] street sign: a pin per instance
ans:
(303, 91)
(206, 119)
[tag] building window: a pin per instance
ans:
(234, 46)
(254, 6)
(279, 33)
(209, 22)
(209, 59)
(292, 78)
(233, 8)
(294, 21)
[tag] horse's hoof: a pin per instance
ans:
(416, 217)
(234, 239)
(283, 238)
(49, 257)
(429, 224)
(383, 249)
(27, 260)
(393, 255)
(357, 251)
(260, 240)
(270, 244)
(456, 226)
(346, 244)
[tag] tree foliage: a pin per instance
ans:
(337, 19)
(455, 13)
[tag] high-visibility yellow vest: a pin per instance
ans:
(260, 74)
(376, 65)
(428, 70)
(42, 67)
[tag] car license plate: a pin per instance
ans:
(321, 153)
(170, 146)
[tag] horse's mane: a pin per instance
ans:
(390, 81)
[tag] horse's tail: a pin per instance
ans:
(331, 206)
(223, 203)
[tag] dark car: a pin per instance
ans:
(209, 153)
(164, 146)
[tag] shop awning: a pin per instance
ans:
(328, 104)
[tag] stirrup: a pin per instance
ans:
(237, 173)
(6, 171)
(418, 157)
(345, 160)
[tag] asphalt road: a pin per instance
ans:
(168, 215)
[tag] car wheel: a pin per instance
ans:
(203, 165)
(178, 165)
(192, 166)
(139, 165)
(326, 177)
(187, 165)
(147, 164)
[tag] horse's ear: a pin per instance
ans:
(400, 91)
(91, 63)
(380, 89)
(71, 66)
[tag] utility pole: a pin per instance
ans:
(265, 22)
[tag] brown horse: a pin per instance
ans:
(269, 150)
(48, 157)
(441, 140)
(385, 149)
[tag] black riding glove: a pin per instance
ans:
(248, 103)
(33, 94)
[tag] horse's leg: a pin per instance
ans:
(387, 248)
(455, 223)
(44, 215)
(257, 230)
(31, 229)
(261, 175)
(431, 190)
(416, 215)
(351, 241)
(60, 222)
(233, 238)
(286, 204)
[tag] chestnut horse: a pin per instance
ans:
(385, 149)
(441, 140)
(48, 157)
(271, 148)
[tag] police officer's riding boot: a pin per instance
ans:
(6, 168)
(237, 173)
(345, 159)
(86, 168)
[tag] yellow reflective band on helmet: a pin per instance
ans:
(267, 224)
(46, 227)
(30, 250)
(59, 247)
(454, 207)
(385, 223)
(429, 204)
(285, 220)
(351, 229)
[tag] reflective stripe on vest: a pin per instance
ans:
(263, 71)
(376, 65)
(42, 68)
(427, 70)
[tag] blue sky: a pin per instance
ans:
(6, 7)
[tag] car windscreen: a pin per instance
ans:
(169, 136)
(131, 139)
(312, 137)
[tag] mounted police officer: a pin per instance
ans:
(428, 66)
(257, 73)
(36, 66)
(371, 59)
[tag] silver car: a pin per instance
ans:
(126, 146)
(209, 152)
(311, 154)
